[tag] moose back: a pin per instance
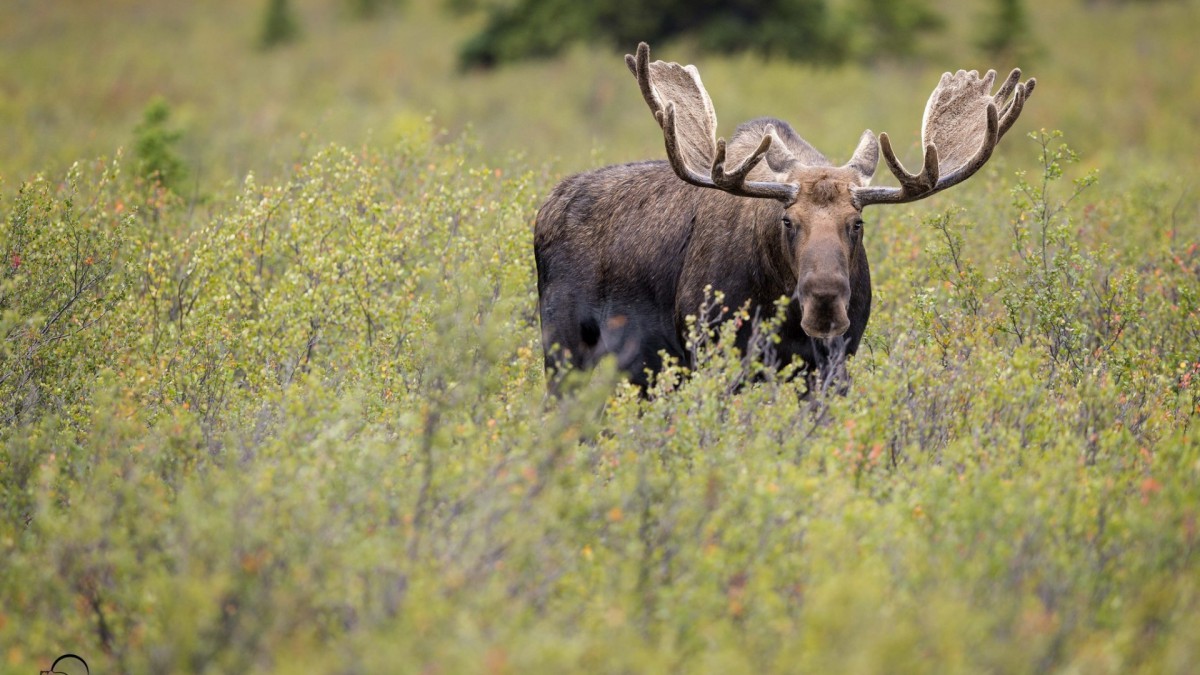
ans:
(625, 253)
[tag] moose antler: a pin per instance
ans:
(960, 129)
(685, 112)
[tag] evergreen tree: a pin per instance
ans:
(279, 24)
(1006, 33)
(892, 28)
(369, 9)
(154, 146)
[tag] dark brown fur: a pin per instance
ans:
(624, 254)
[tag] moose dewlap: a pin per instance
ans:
(624, 253)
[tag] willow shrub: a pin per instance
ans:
(302, 427)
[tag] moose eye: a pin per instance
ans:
(856, 226)
(787, 222)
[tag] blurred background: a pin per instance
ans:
(234, 86)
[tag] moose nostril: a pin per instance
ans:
(825, 288)
(824, 298)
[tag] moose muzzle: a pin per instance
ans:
(824, 299)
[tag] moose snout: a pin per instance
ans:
(824, 299)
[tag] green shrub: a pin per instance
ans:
(61, 284)
(308, 431)
(300, 425)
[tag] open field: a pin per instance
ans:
(289, 415)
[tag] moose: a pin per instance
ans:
(626, 253)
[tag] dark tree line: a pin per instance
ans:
(816, 31)
(797, 29)
(802, 30)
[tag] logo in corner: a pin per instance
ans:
(68, 664)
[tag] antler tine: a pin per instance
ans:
(640, 67)
(950, 119)
(1008, 85)
(731, 179)
(1013, 109)
(735, 181)
(909, 182)
(673, 91)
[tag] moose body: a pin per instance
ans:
(626, 253)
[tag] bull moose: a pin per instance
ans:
(625, 253)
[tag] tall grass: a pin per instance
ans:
(308, 429)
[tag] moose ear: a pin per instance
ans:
(866, 157)
(779, 158)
